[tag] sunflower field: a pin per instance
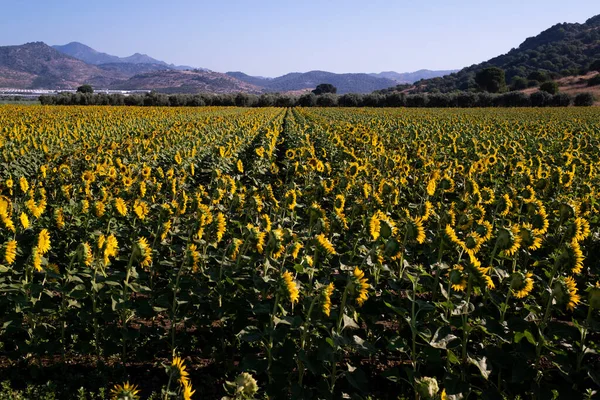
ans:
(304, 252)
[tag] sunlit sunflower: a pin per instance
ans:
(24, 220)
(324, 244)
(361, 286)
(326, 303)
(522, 285)
(43, 243)
(187, 391)
(145, 252)
(178, 371)
(10, 252)
(121, 206)
(290, 287)
(574, 298)
(125, 391)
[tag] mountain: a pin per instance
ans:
(173, 81)
(411, 77)
(563, 50)
(253, 80)
(345, 83)
(91, 56)
(129, 70)
(37, 65)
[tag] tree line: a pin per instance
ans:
(394, 99)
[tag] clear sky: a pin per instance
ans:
(273, 37)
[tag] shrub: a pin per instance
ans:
(540, 99)
(561, 100)
(584, 100)
(549, 87)
(594, 81)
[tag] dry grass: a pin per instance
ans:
(574, 85)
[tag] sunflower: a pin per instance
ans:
(194, 256)
(145, 252)
(290, 197)
(59, 218)
(240, 166)
(575, 256)
(374, 226)
(522, 285)
(260, 240)
(574, 298)
(110, 248)
(290, 154)
(23, 184)
(37, 259)
(326, 304)
(290, 287)
(141, 209)
(529, 237)
(458, 279)
(361, 286)
(582, 229)
(324, 244)
(121, 206)
(125, 391)
(24, 220)
(86, 253)
(43, 243)
(166, 226)
(451, 233)
(296, 247)
(235, 248)
(99, 209)
(178, 371)
(221, 226)
(506, 205)
(428, 211)
(187, 390)
(416, 230)
(431, 186)
(10, 252)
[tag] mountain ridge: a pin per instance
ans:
(564, 49)
(92, 56)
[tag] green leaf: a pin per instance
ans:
(527, 335)
(481, 364)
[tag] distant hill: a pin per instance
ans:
(253, 80)
(129, 70)
(37, 65)
(563, 50)
(411, 77)
(91, 56)
(345, 83)
(187, 82)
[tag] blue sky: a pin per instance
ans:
(273, 37)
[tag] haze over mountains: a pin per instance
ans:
(37, 65)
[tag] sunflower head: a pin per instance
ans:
(125, 391)
(177, 371)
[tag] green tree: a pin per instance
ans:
(584, 100)
(519, 83)
(595, 65)
(549, 87)
(85, 89)
(324, 88)
(594, 81)
(491, 79)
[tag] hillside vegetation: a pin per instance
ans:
(564, 49)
